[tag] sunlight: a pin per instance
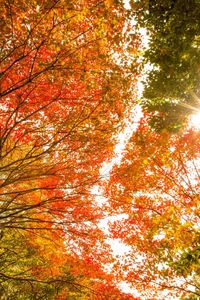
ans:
(195, 120)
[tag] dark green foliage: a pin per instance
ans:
(188, 263)
(173, 85)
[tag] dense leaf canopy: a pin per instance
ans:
(69, 74)
(172, 87)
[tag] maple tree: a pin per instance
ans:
(67, 80)
(62, 97)
(40, 268)
(156, 189)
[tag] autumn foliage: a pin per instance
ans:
(156, 188)
(62, 96)
(68, 79)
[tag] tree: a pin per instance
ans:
(156, 189)
(35, 268)
(40, 268)
(62, 98)
(171, 91)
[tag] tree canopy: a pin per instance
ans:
(156, 189)
(171, 90)
(69, 77)
(62, 97)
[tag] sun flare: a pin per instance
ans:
(195, 120)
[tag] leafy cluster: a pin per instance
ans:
(172, 87)
(62, 98)
(68, 83)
